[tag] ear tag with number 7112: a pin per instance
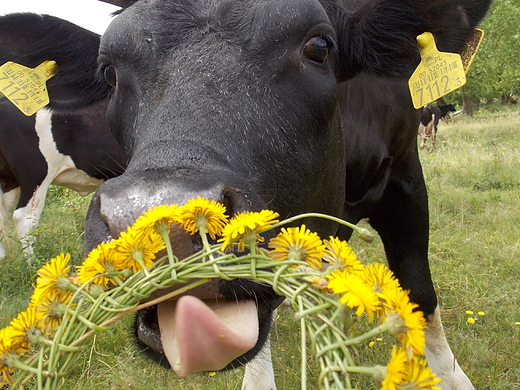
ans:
(438, 74)
(25, 87)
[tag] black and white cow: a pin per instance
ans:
(430, 119)
(74, 150)
(291, 105)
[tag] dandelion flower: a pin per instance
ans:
(298, 244)
(136, 250)
(100, 262)
(50, 312)
(203, 215)
(157, 219)
(414, 338)
(380, 278)
(6, 351)
(53, 276)
(419, 377)
(319, 282)
(245, 228)
(396, 369)
(469, 312)
(339, 252)
(397, 301)
(356, 294)
(22, 327)
(471, 320)
(481, 313)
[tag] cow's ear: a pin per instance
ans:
(30, 39)
(380, 37)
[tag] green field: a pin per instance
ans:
(473, 180)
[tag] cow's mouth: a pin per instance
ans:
(207, 331)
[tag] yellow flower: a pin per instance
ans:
(481, 313)
(50, 312)
(244, 228)
(136, 250)
(397, 301)
(22, 326)
(101, 260)
(157, 218)
(52, 276)
(356, 294)
(6, 349)
(419, 377)
(396, 369)
(380, 278)
(320, 282)
(469, 312)
(203, 215)
(471, 320)
(339, 252)
(298, 244)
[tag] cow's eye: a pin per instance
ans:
(317, 49)
(110, 75)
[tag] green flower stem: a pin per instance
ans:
(169, 250)
(138, 257)
(358, 340)
(92, 325)
(65, 348)
(40, 371)
(303, 347)
(362, 370)
(17, 363)
(311, 311)
(365, 234)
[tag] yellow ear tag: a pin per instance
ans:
(438, 74)
(25, 87)
(470, 49)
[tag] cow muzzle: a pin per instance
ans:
(221, 324)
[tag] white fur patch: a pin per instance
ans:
(259, 373)
(61, 171)
(440, 357)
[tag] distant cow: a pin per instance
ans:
(75, 151)
(430, 118)
(291, 105)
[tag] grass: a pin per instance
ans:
(473, 180)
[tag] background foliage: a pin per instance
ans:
(495, 72)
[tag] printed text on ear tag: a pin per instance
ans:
(438, 74)
(25, 87)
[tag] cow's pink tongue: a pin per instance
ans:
(206, 336)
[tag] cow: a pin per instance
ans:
(430, 118)
(73, 150)
(291, 105)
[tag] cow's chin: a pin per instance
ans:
(205, 331)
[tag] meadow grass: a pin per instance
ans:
(473, 179)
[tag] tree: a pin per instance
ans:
(495, 73)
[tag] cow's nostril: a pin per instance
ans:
(235, 201)
(182, 244)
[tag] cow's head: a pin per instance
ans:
(237, 101)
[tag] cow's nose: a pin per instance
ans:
(120, 201)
